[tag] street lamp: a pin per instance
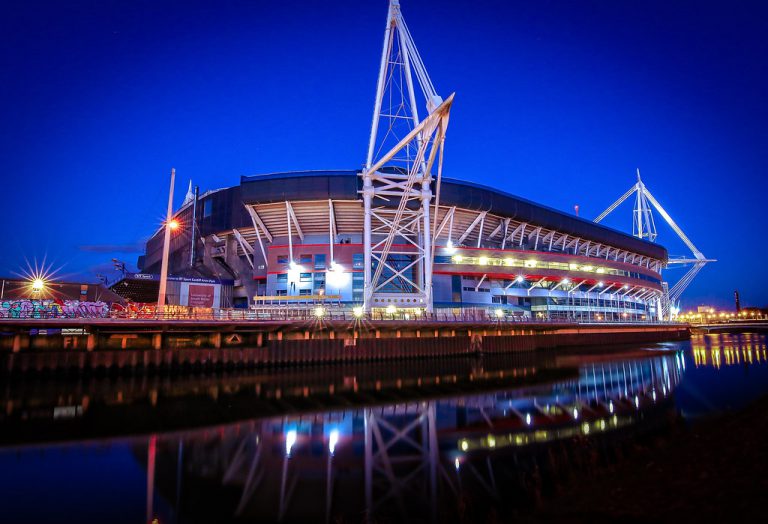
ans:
(38, 285)
(166, 246)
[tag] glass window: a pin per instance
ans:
(305, 277)
(207, 207)
(305, 259)
(357, 261)
(282, 259)
(281, 292)
(305, 292)
(319, 261)
(282, 277)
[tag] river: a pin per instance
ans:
(454, 440)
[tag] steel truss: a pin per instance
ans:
(644, 227)
(402, 151)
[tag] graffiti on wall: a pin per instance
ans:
(26, 308)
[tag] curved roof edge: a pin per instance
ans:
(345, 184)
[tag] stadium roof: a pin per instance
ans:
(346, 184)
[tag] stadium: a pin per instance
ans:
(397, 236)
(297, 238)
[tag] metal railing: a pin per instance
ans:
(318, 314)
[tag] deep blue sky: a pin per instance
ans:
(556, 101)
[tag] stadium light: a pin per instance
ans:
(319, 312)
(336, 276)
(290, 440)
(38, 285)
(357, 311)
(391, 309)
(333, 439)
(174, 224)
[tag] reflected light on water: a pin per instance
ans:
(399, 457)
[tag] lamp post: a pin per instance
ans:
(166, 248)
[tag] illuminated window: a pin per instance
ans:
(357, 261)
(305, 277)
(282, 259)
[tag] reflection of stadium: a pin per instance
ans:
(396, 234)
(411, 458)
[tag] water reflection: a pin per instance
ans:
(729, 349)
(408, 460)
(450, 441)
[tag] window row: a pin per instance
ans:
(533, 264)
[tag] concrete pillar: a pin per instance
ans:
(259, 340)
(332, 335)
(378, 334)
(397, 334)
(306, 334)
(157, 341)
(418, 333)
(216, 339)
(279, 335)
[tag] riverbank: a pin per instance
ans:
(118, 345)
(707, 471)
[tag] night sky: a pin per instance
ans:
(556, 101)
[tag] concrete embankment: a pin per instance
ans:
(82, 344)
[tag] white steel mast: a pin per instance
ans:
(397, 179)
(643, 227)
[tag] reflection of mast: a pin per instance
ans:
(151, 455)
(401, 457)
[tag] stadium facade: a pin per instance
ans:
(297, 238)
(397, 235)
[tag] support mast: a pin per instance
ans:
(397, 179)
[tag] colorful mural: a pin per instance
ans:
(27, 308)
